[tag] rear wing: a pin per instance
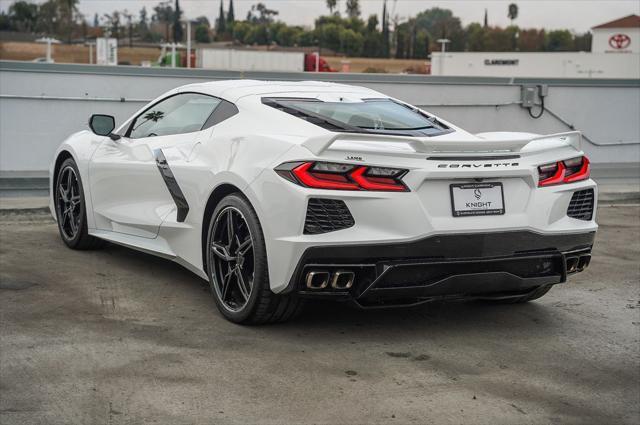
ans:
(404, 144)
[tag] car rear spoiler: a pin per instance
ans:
(390, 143)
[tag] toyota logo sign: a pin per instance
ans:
(619, 41)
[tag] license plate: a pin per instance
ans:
(477, 199)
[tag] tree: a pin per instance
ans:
(559, 41)
(48, 19)
(67, 10)
(351, 42)
(164, 14)
(353, 8)
(441, 23)
(113, 23)
(260, 14)
(531, 40)
(486, 19)
(582, 42)
(240, 30)
(143, 25)
(385, 31)
(331, 4)
(23, 16)
(474, 37)
(373, 43)
(231, 16)
(177, 25)
(96, 21)
(221, 23)
(513, 12)
(202, 34)
(129, 18)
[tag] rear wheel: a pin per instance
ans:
(70, 209)
(237, 267)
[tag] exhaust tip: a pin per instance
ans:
(584, 261)
(342, 279)
(572, 264)
(317, 279)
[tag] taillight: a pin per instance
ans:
(336, 176)
(567, 171)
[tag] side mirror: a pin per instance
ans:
(103, 125)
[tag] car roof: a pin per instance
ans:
(233, 90)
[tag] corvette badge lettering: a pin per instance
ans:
(487, 165)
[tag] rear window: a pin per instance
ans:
(382, 116)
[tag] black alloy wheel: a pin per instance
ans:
(68, 197)
(232, 256)
(68, 202)
(236, 263)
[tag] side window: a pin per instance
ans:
(223, 111)
(182, 113)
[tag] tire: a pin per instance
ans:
(70, 206)
(533, 295)
(238, 272)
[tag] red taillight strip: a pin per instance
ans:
(308, 179)
(358, 176)
(557, 178)
(582, 174)
(560, 176)
(343, 177)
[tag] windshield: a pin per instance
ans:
(371, 115)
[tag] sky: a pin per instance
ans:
(576, 15)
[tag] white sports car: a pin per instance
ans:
(275, 192)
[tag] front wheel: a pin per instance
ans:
(237, 267)
(71, 212)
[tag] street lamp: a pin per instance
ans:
(443, 42)
(188, 22)
(49, 41)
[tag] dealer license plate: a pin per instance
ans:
(477, 199)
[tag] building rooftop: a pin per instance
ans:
(631, 21)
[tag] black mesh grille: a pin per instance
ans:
(326, 215)
(581, 205)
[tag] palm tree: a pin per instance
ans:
(513, 12)
(331, 4)
(353, 8)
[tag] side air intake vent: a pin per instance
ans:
(581, 205)
(326, 215)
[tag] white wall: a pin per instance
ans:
(601, 36)
(32, 126)
(537, 65)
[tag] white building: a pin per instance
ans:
(615, 54)
(619, 36)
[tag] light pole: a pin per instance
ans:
(188, 44)
(90, 44)
(443, 42)
(49, 41)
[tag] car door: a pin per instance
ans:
(132, 187)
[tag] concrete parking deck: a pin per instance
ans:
(115, 336)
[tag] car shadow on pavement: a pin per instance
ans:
(338, 316)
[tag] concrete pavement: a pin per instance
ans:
(115, 336)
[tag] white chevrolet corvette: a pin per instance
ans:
(275, 192)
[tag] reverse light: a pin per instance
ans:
(336, 176)
(567, 171)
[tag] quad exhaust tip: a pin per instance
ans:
(578, 264)
(317, 279)
(342, 279)
(321, 279)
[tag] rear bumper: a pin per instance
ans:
(456, 266)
